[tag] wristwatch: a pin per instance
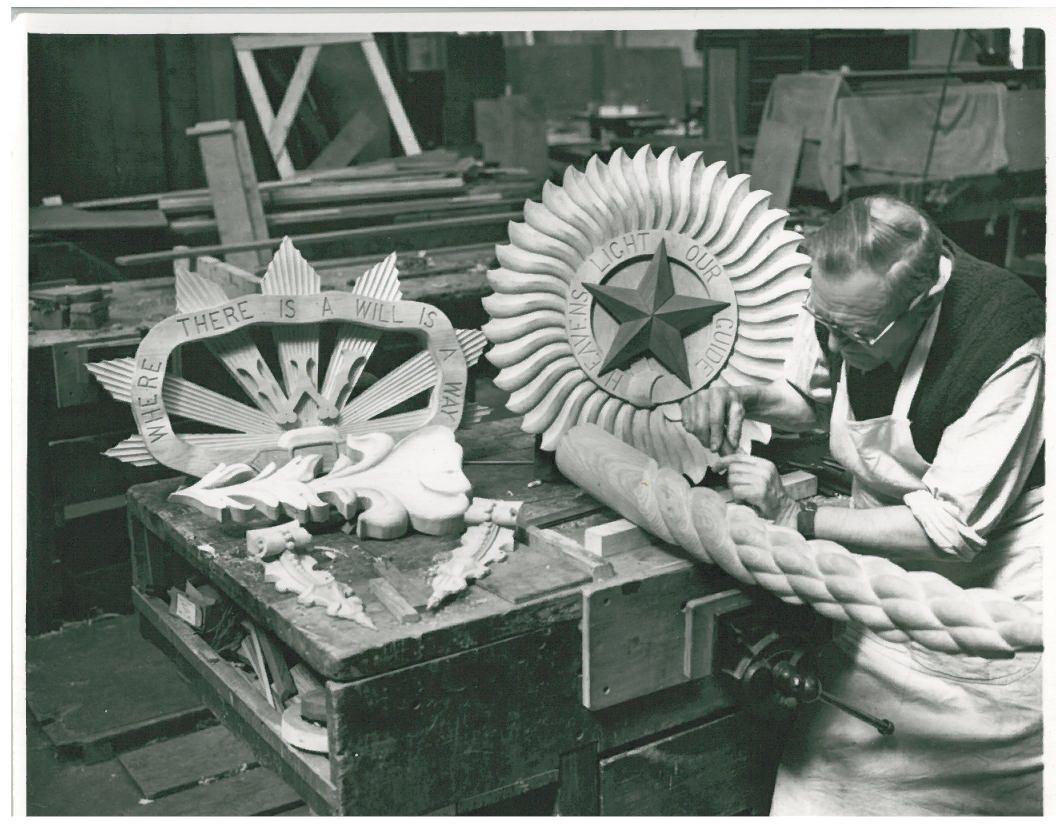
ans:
(806, 518)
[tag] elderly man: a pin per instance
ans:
(926, 365)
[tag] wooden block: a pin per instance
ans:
(234, 281)
(775, 160)
(279, 673)
(255, 792)
(800, 484)
(313, 706)
(306, 682)
(634, 633)
(184, 608)
(88, 316)
(702, 629)
(175, 764)
(233, 189)
(393, 601)
(68, 294)
(549, 539)
(412, 586)
(614, 538)
(48, 316)
(529, 573)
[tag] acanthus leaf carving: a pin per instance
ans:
(298, 574)
(385, 486)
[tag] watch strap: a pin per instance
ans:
(806, 519)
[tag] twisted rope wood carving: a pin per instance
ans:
(898, 605)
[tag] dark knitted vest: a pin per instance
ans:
(986, 314)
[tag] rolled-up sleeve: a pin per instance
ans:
(984, 458)
(807, 369)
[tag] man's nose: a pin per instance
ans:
(833, 341)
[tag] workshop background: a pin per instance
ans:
(427, 144)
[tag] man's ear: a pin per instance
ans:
(942, 281)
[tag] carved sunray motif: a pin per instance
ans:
(354, 344)
(297, 415)
(407, 380)
(298, 347)
(550, 327)
(236, 350)
(186, 398)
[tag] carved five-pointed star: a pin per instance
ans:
(652, 318)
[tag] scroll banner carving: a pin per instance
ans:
(301, 413)
(898, 605)
(634, 285)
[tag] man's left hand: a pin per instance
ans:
(755, 481)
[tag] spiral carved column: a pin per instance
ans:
(898, 605)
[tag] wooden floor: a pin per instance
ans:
(114, 730)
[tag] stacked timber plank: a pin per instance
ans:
(435, 191)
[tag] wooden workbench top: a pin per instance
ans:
(342, 650)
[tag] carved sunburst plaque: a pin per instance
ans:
(634, 285)
(300, 412)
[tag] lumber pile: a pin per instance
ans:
(394, 189)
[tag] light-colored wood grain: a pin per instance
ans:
(481, 545)
(234, 193)
(384, 486)
(713, 240)
(289, 105)
(614, 538)
(302, 734)
(295, 418)
(262, 107)
(295, 574)
(354, 343)
(245, 42)
(549, 539)
(702, 629)
(393, 601)
(390, 96)
(274, 540)
(234, 281)
(634, 634)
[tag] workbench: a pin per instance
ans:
(76, 494)
(481, 705)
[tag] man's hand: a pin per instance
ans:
(756, 482)
(715, 414)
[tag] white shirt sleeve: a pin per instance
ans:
(984, 458)
(807, 370)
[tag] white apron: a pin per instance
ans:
(969, 731)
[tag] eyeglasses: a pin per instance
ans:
(859, 338)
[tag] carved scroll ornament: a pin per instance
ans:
(301, 412)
